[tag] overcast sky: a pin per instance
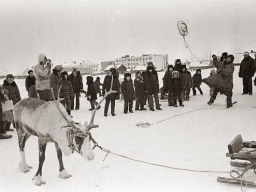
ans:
(100, 30)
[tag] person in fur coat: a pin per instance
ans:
(139, 91)
(127, 90)
(112, 76)
(12, 88)
(55, 79)
(91, 93)
(176, 88)
(66, 91)
(197, 81)
(30, 83)
(222, 81)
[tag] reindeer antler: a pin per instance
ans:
(70, 123)
(91, 124)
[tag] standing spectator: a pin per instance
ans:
(97, 85)
(77, 83)
(91, 93)
(197, 81)
(152, 87)
(222, 81)
(176, 88)
(183, 79)
(212, 88)
(188, 86)
(177, 66)
(139, 92)
(42, 73)
(12, 88)
(246, 72)
(111, 77)
(55, 79)
(66, 91)
(30, 84)
(127, 90)
(7, 115)
(166, 81)
(3, 134)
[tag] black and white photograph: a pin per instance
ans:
(127, 95)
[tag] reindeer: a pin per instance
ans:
(50, 122)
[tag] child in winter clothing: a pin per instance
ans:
(31, 85)
(7, 116)
(188, 86)
(128, 92)
(139, 91)
(197, 81)
(212, 88)
(166, 82)
(176, 88)
(12, 88)
(66, 91)
(91, 93)
(97, 85)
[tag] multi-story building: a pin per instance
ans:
(159, 61)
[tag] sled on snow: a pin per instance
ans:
(242, 155)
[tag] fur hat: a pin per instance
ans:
(63, 74)
(98, 78)
(177, 60)
(41, 58)
(198, 70)
(224, 55)
(89, 80)
(9, 76)
(232, 59)
(169, 66)
(29, 71)
(58, 67)
(127, 75)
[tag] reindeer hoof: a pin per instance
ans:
(38, 180)
(64, 174)
(24, 167)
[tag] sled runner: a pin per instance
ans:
(243, 155)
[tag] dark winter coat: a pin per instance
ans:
(128, 90)
(54, 82)
(197, 79)
(66, 90)
(175, 87)
(107, 84)
(139, 87)
(91, 89)
(30, 81)
(223, 79)
(189, 80)
(14, 93)
(77, 82)
(166, 80)
(151, 81)
(97, 85)
(247, 68)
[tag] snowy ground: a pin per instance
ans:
(196, 140)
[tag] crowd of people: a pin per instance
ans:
(49, 84)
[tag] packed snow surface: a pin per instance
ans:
(191, 137)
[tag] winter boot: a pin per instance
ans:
(180, 102)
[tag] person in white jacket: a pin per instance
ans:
(42, 73)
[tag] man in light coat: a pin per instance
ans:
(42, 73)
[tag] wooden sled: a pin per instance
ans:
(243, 155)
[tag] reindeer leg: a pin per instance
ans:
(22, 138)
(38, 180)
(62, 172)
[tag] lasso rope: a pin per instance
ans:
(183, 30)
(154, 164)
(146, 124)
